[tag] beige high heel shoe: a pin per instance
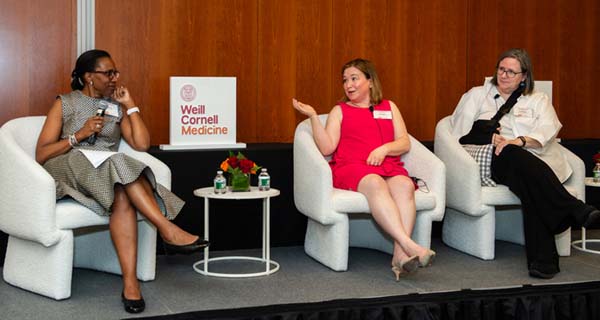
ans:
(397, 271)
(408, 265)
(427, 259)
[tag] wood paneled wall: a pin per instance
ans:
(563, 40)
(37, 51)
(427, 53)
(284, 49)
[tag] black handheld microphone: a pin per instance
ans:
(99, 113)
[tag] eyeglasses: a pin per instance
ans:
(112, 73)
(421, 184)
(509, 73)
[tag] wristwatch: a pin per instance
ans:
(522, 140)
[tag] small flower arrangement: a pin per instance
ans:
(239, 168)
(596, 157)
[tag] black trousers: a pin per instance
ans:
(548, 208)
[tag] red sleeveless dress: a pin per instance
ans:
(360, 134)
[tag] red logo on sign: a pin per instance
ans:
(188, 92)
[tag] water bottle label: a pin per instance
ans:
(596, 173)
(264, 182)
(219, 185)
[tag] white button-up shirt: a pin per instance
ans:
(533, 116)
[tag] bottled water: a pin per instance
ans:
(596, 172)
(220, 184)
(264, 180)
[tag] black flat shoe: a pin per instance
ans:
(133, 306)
(593, 220)
(543, 270)
(540, 274)
(197, 245)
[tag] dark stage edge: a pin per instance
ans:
(557, 301)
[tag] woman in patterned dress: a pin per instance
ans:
(120, 185)
(366, 135)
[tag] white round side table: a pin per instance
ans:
(582, 244)
(270, 265)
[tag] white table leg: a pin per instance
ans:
(264, 230)
(208, 193)
(583, 238)
(206, 257)
(582, 244)
(267, 219)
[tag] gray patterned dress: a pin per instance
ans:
(93, 187)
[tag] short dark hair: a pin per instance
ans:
(366, 67)
(85, 63)
(523, 57)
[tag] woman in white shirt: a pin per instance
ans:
(526, 157)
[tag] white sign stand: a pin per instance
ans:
(202, 114)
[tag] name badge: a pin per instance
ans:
(112, 109)
(378, 114)
(523, 112)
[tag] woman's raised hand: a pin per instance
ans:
(121, 95)
(305, 109)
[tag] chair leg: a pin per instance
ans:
(43, 270)
(328, 244)
(470, 234)
(563, 243)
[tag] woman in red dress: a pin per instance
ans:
(367, 135)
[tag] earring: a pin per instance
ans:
(91, 83)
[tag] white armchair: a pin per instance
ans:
(475, 215)
(47, 238)
(338, 219)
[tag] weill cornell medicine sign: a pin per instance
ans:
(202, 114)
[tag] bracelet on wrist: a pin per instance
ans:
(132, 110)
(523, 141)
(73, 140)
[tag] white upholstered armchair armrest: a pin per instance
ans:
(423, 164)
(463, 181)
(577, 179)
(28, 201)
(161, 171)
(313, 183)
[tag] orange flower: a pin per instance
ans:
(225, 165)
(235, 164)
